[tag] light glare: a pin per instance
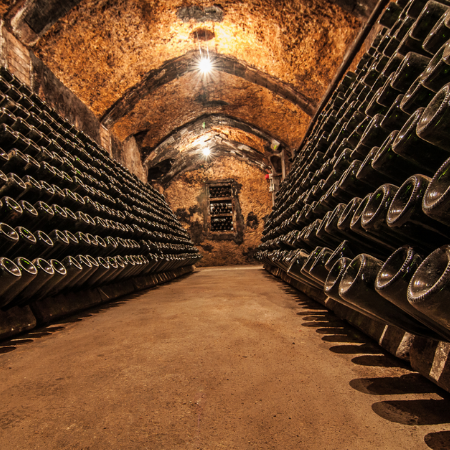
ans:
(205, 65)
(206, 151)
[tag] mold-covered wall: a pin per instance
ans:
(186, 196)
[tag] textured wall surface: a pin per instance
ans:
(186, 197)
(187, 98)
(111, 45)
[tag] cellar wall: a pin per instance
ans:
(24, 64)
(187, 199)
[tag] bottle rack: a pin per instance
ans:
(70, 216)
(364, 214)
(221, 208)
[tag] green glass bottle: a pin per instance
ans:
(417, 96)
(439, 35)
(391, 164)
(433, 125)
(437, 72)
(412, 66)
(395, 118)
(427, 19)
(409, 145)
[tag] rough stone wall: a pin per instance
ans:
(130, 157)
(185, 195)
(59, 97)
(17, 58)
(188, 98)
(113, 44)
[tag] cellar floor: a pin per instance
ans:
(225, 358)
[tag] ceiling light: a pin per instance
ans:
(205, 66)
(206, 151)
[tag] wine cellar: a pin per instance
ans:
(225, 225)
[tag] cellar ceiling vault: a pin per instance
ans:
(134, 63)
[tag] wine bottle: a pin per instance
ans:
(45, 272)
(392, 283)
(58, 277)
(374, 108)
(9, 275)
(28, 273)
(358, 287)
(417, 96)
(14, 187)
(409, 145)
(427, 19)
(373, 237)
(439, 34)
(412, 66)
(373, 218)
(391, 164)
(437, 72)
(405, 214)
(29, 215)
(73, 270)
(10, 211)
(390, 15)
(27, 242)
(317, 268)
(388, 93)
(32, 191)
(395, 118)
(432, 126)
(60, 244)
(368, 175)
(333, 282)
(87, 268)
(343, 250)
(428, 288)
(436, 200)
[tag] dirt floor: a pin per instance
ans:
(225, 358)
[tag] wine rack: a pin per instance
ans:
(221, 211)
(71, 217)
(364, 214)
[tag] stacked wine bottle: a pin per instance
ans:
(365, 212)
(70, 216)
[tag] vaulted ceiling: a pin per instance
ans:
(135, 64)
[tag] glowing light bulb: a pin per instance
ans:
(206, 152)
(205, 65)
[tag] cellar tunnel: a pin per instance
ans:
(224, 224)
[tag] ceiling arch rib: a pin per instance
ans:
(183, 65)
(186, 99)
(193, 157)
(195, 128)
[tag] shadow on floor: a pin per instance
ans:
(418, 412)
(438, 441)
(29, 337)
(10, 345)
(411, 383)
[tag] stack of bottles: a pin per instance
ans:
(222, 223)
(365, 212)
(70, 216)
(220, 191)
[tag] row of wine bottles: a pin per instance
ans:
(219, 191)
(222, 224)
(71, 217)
(373, 177)
(221, 207)
(24, 281)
